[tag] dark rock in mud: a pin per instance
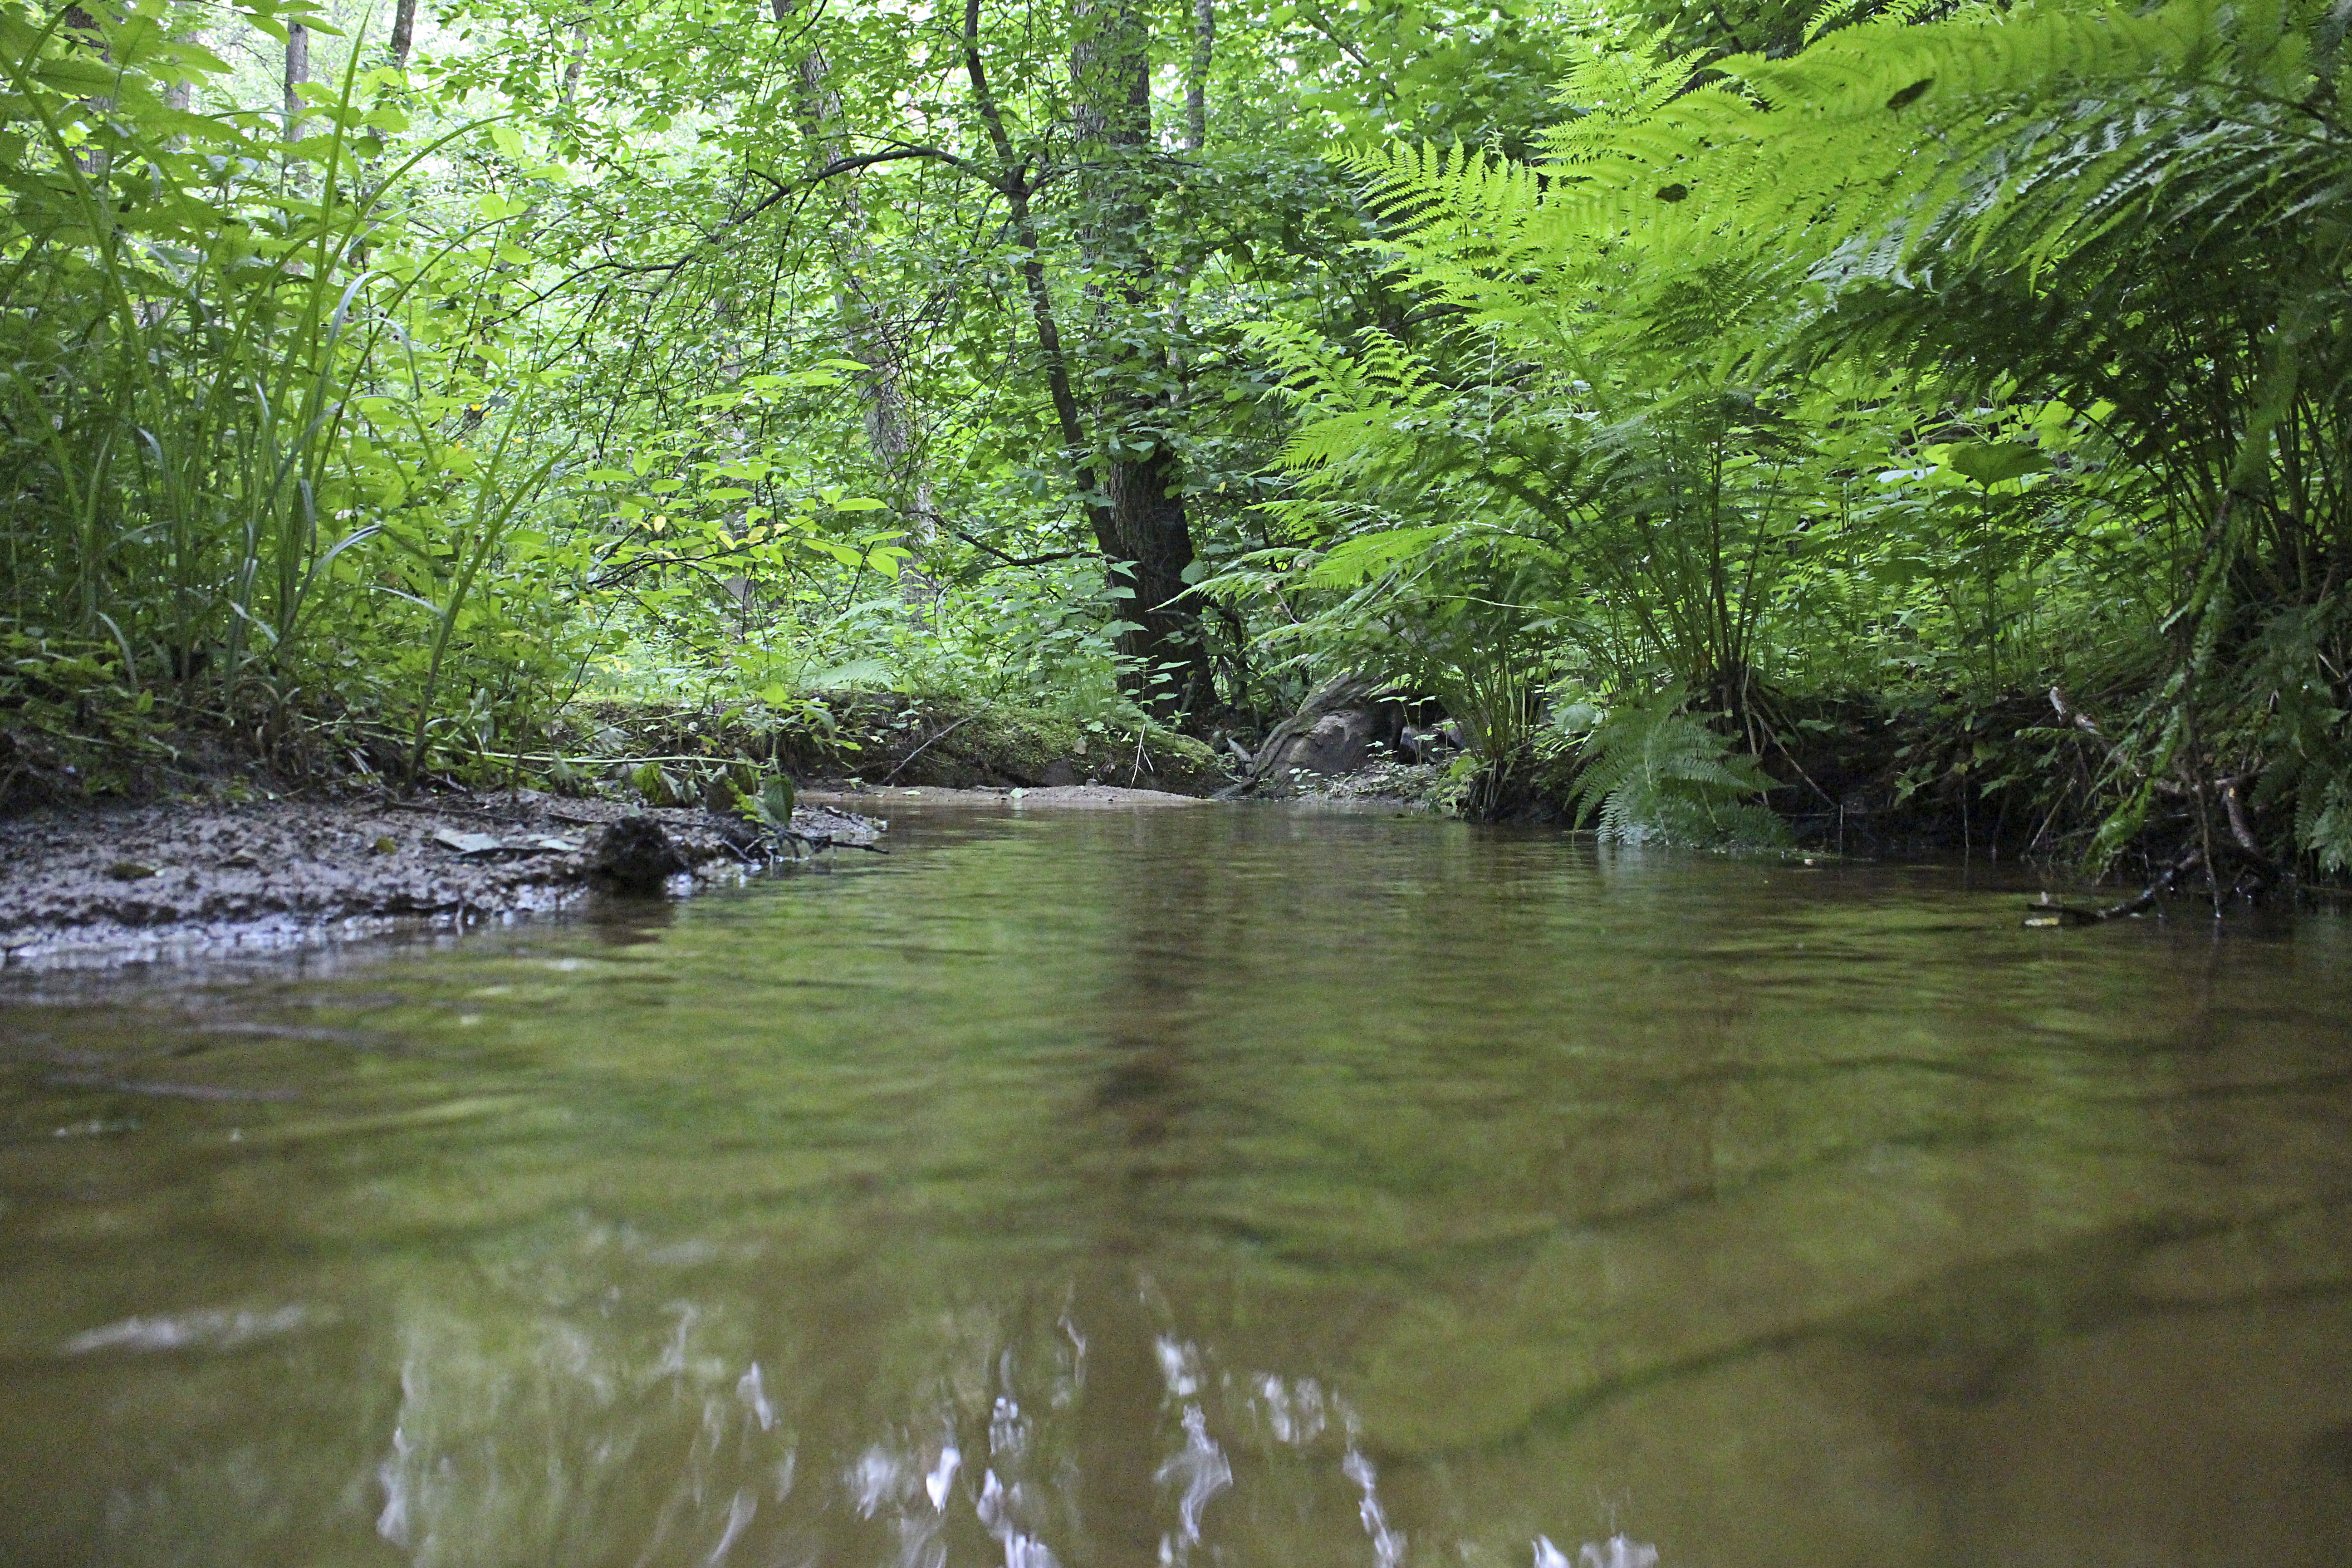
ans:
(1343, 724)
(634, 856)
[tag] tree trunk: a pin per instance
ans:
(1196, 137)
(1196, 79)
(404, 32)
(92, 161)
(573, 66)
(889, 432)
(298, 71)
(1154, 539)
(188, 27)
(1140, 522)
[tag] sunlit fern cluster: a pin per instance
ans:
(2131, 211)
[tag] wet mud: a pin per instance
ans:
(100, 885)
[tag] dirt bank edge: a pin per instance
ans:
(112, 883)
(1066, 797)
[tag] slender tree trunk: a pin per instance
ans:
(889, 431)
(1013, 184)
(93, 160)
(1127, 497)
(404, 32)
(188, 27)
(1196, 137)
(1196, 78)
(573, 66)
(298, 71)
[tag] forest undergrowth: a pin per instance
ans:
(1906, 427)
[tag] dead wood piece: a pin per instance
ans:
(1331, 733)
(2047, 914)
(815, 841)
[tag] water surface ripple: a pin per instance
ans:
(1223, 1186)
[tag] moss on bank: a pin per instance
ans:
(902, 738)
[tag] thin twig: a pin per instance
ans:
(828, 841)
(927, 745)
(2051, 914)
(1001, 556)
(2155, 889)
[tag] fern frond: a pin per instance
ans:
(1654, 771)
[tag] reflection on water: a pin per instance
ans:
(1203, 1187)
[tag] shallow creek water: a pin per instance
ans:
(1200, 1185)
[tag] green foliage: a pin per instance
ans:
(757, 795)
(1943, 351)
(2286, 723)
(221, 454)
(773, 805)
(1891, 358)
(655, 785)
(70, 724)
(1651, 771)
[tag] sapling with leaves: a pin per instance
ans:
(458, 562)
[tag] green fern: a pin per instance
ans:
(1654, 773)
(2133, 210)
(2030, 129)
(2326, 832)
(1352, 403)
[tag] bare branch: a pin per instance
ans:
(1001, 556)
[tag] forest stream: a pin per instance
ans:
(1248, 1185)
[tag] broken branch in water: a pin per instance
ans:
(828, 841)
(2047, 913)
